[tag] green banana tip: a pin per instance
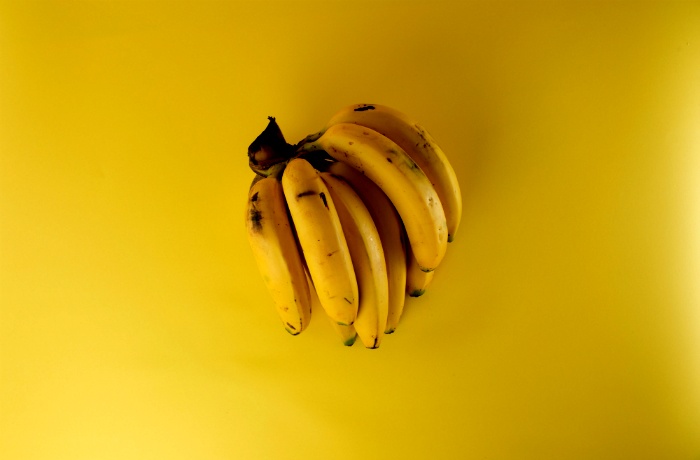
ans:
(416, 292)
(351, 341)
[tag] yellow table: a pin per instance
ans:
(563, 324)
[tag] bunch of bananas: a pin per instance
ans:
(361, 212)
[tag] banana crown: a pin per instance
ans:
(269, 151)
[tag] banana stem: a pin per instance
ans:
(269, 149)
(306, 143)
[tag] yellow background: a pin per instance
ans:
(564, 323)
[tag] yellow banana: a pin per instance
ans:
(322, 240)
(347, 334)
(419, 145)
(276, 253)
(390, 231)
(417, 280)
(367, 257)
(401, 179)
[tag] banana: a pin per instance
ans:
(276, 253)
(399, 177)
(417, 280)
(419, 145)
(322, 240)
(390, 231)
(347, 334)
(367, 255)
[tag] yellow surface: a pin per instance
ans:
(564, 324)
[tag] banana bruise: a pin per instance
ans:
(322, 241)
(399, 177)
(419, 145)
(276, 253)
(391, 234)
(367, 255)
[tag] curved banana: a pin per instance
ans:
(276, 253)
(390, 231)
(406, 185)
(367, 257)
(417, 280)
(322, 240)
(419, 145)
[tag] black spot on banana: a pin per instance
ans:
(364, 108)
(323, 198)
(256, 218)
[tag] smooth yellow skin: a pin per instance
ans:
(322, 240)
(276, 253)
(391, 233)
(419, 145)
(368, 259)
(408, 188)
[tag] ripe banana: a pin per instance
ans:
(368, 260)
(390, 231)
(347, 334)
(417, 280)
(322, 240)
(354, 218)
(419, 145)
(276, 253)
(401, 179)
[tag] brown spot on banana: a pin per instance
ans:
(306, 193)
